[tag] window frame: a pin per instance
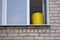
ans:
(4, 13)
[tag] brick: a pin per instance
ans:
(55, 14)
(59, 14)
(40, 38)
(57, 25)
(4, 31)
(57, 2)
(33, 34)
(12, 34)
(23, 34)
(47, 30)
(51, 38)
(52, 21)
(8, 38)
(3, 34)
(51, 3)
(20, 30)
(57, 9)
(16, 31)
(12, 31)
(24, 30)
(58, 28)
(32, 30)
(52, 0)
(36, 30)
(28, 38)
(8, 31)
(53, 28)
(53, 6)
(16, 38)
(28, 30)
(40, 30)
(51, 14)
(54, 34)
(1, 38)
(43, 30)
(54, 11)
(55, 18)
(44, 34)
(57, 31)
(57, 21)
(1, 31)
(52, 31)
(57, 38)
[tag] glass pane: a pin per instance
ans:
(17, 12)
(0, 11)
(35, 6)
(38, 7)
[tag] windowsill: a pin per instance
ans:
(32, 25)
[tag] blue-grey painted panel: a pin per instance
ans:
(0, 11)
(17, 12)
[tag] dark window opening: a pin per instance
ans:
(37, 6)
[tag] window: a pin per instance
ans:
(19, 12)
(40, 6)
(16, 11)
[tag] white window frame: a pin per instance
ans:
(4, 13)
(47, 11)
(48, 16)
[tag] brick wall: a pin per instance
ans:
(36, 33)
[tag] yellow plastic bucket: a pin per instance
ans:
(37, 18)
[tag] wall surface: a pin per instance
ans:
(36, 33)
